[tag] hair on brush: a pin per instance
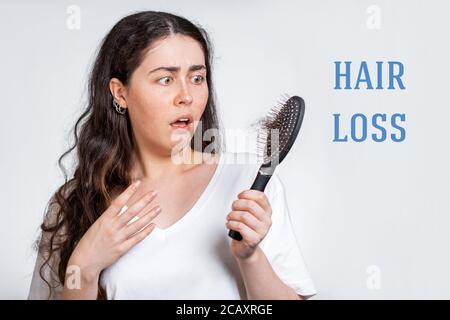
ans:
(276, 135)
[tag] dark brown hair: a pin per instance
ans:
(103, 139)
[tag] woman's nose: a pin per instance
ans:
(184, 97)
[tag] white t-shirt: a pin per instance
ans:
(191, 259)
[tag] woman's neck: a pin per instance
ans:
(152, 166)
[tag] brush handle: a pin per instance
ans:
(259, 184)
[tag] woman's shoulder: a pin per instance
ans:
(237, 168)
(249, 163)
(241, 159)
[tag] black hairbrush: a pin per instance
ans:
(279, 131)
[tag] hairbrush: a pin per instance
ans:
(277, 134)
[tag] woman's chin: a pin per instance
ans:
(180, 134)
(180, 141)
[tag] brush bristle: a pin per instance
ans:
(276, 129)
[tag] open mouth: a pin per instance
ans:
(182, 123)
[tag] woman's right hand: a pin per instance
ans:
(112, 234)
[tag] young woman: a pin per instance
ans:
(147, 212)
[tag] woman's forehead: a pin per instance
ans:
(175, 50)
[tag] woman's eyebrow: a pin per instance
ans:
(176, 69)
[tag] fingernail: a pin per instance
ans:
(158, 210)
(153, 193)
(137, 183)
(124, 208)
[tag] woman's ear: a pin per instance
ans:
(118, 91)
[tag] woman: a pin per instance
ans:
(143, 216)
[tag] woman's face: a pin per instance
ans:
(169, 84)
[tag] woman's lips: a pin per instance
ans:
(181, 125)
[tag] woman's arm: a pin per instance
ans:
(80, 284)
(261, 282)
(106, 240)
(251, 216)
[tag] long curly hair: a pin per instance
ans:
(103, 139)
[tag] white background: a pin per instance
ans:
(362, 212)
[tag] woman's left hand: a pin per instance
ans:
(251, 217)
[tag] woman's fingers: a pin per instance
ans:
(118, 203)
(248, 219)
(251, 237)
(251, 206)
(138, 237)
(140, 223)
(136, 208)
(258, 196)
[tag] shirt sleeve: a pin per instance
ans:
(280, 245)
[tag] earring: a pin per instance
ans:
(119, 108)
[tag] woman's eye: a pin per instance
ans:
(197, 79)
(165, 80)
